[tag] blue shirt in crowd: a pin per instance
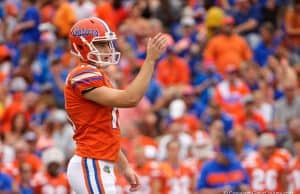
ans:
(242, 17)
(31, 35)
(263, 51)
(215, 175)
(5, 183)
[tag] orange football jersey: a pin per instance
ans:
(44, 184)
(265, 175)
(176, 181)
(294, 173)
(284, 155)
(97, 133)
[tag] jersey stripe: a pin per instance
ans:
(86, 177)
(84, 76)
(86, 81)
(92, 176)
(96, 176)
(81, 72)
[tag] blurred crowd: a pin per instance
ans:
(222, 112)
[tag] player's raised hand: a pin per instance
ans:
(156, 46)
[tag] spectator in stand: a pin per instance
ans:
(6, 182)
(22, 154)
(57, 78)
(268, 44)
(250, 117)
(266, 161)
(106, 12)
(175, 177)
(64, 18)
(201, 151)
(250, 73)
(292, 25)
(23, 184)
(247, 18)
(270, 11)
(28, 29)
(179, 114)
(51, 179)
(213, 113)
(292, 135)
(175, 131)
(223, 174)
(187, 37)
(294, 170)
(264, 108)
(83, 9)
(19, 126)
(204, 81)
(17, 87)
(288, 106)
(223, 54)
(172, 70)
(230, 93)
(241, 147)
(193, 104)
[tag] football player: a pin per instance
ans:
(91, 103)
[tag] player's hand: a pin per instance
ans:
(132, 179)
(156, 46)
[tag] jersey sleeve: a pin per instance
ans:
(86, 78)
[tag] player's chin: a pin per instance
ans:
(134, 188)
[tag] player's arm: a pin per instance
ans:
(137, 88)
(130, 175)
(122, 162)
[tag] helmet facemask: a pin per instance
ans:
(103, 59)
(100, 59)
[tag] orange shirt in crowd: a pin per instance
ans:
(12, 168)
(294, 171)
(106, 12)
(292, 22)
(128, 145)
(284, 155)
(47, 13)
(265, 175)
(175, 181)
(10, 111)
(64, 18)
(227, 50)
(189, 122)
(255, 119)
(173, 72)
(229, 97)
(43, 184)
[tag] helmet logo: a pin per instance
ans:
(84, 32)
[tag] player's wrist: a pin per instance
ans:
(150, 61)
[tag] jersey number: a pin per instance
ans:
(264, 180)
